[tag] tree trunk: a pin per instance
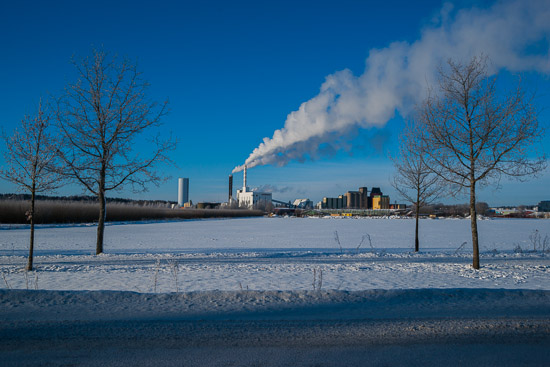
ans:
(473, 219)
(31, 245)
(417, 214)
(101, 222)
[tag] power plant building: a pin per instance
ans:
(250, 199)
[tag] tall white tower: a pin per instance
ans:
(183, 191)
(245, 188)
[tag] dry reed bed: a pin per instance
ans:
(48, 211)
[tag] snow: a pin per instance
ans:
(276, 292)
(276, 254)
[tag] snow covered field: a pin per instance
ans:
(276, 292)
(277, 254)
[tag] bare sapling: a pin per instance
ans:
(155, 275)
(538, 242)
(175, 269)
(460, 247)
(31, 163)
(360, 243)
(414, 180)
(337, 239)
(241, 287)
(100, 117)
(317, 279)
(472, 133)
(6, 280)
(367, 236)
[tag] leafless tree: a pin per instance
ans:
(100, 117)
(31, 162)
(473, 134)
(414, 181)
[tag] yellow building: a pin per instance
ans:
(381, 202)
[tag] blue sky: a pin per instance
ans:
(234, 71)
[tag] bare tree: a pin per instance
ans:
(30, 162)
(472, 134)
(414, 180)
(101, 116)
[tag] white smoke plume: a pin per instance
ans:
(514, 34)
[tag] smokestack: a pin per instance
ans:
(230, 188)
(244, 179)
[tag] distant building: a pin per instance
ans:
(183, 191)
(544, 206)
(357, 199)
(253, 199)
(362, 199)
(398, 206)
(334, 203)
(303, 203)
(247, 198)
(380, 202)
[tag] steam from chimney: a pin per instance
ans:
(514, 35)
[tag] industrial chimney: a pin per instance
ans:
(230, 188)
(244, 179)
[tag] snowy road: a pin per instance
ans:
(409, 327)
(361, 343)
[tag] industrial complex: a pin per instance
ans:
(248, 198)
(362, 199)
(361, 202)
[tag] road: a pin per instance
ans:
(443, 327)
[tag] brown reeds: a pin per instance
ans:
(61, 211)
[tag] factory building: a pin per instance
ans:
(183, 191)
(361, 199)
(357, 199)
(250, 199)
(380, 202)
(544, 206)
(303, 203)
(334, 203)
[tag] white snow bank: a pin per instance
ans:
(156, 273)
(17, 305)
